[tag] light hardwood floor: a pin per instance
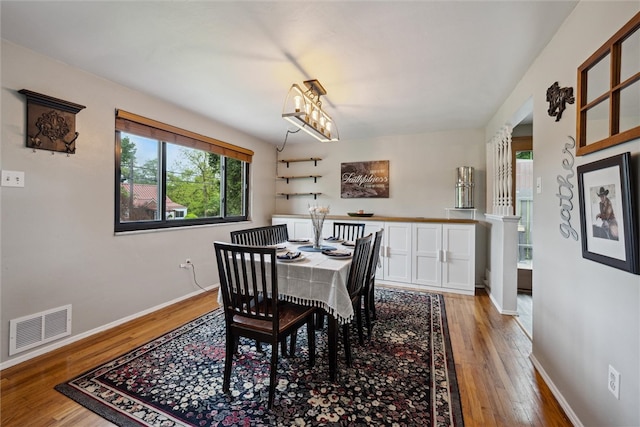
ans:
(498, 384)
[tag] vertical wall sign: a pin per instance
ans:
(51, 122)
(565, 192)
(365, 180)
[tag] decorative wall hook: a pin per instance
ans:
(50, 121)
(557, 97)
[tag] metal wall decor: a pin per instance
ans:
(565, 191)
(51, 123)
(557, 98)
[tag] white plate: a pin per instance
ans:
(279, 247)
(348, 244)
(338, 254)
(296, 259)
(333, 240)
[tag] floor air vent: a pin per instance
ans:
(31, 331)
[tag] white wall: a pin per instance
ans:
(585, 315)
(422, 172)
(422, 176)
(58, 242)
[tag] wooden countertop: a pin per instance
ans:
(385, 218)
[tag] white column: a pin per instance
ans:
(502, 172)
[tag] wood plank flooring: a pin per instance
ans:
(498, 384)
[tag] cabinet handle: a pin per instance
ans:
(444, 256)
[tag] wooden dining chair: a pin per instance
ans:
(355, 284)
(261, 236)
(249, 286)
(369, 285)
(348, 230)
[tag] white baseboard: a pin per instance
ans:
(559, 397)
(74, 338)
(499, 307)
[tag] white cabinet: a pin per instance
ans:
(444, 256)
(425, 255)
(396, 251)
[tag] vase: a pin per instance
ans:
(317, 234)
(317, 219)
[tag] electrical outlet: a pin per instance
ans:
(613, 382)
(183, 265)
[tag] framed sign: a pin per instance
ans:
(609, 234)
(364, 179)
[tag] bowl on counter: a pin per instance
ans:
(361, 214)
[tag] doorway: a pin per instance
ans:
(522, 153)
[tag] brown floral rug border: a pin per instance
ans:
(405, 376)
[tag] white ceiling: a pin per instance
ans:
(389, 67)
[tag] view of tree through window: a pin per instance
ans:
(189, 182)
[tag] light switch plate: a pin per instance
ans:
(12, 179)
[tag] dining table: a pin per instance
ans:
(317, 277)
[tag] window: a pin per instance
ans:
(198, 180)
(609, 92)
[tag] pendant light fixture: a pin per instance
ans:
(303, 108)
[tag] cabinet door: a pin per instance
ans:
(427, 247)
(459, 254)
(397, 252)
(301, 228)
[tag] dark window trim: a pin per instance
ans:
(204, 144)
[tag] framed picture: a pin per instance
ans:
(364, 179)
(609, 228)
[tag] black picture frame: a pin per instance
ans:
(607, 214)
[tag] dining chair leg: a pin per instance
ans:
(292, 344)
(273, 370)
(319, 323)
(311, 342)
(367, 315)
(228, 362)
(347, 344)
(372, 300)
(332, 336)
(359, 320)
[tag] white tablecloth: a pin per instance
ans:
(316, 280)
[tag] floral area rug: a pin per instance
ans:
(404, 376)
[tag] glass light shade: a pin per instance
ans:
(300, 110)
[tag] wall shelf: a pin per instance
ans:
(310, 159)
(287, 195)
(287, 178)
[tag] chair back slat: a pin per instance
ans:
(261, 236)
(374, 258)
(348, 230)
(248, 281)
(358, 269)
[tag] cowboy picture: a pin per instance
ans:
(605, 225)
